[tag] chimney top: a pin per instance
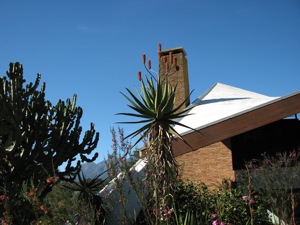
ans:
(174, 50)
(178, 77)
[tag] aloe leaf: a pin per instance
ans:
(148, 99)
(137, 102)
(180, 105)
(132, 114)
(168, 106)
(146, 113)
(135, 122)
(157, 95)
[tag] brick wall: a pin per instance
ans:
(209, 164)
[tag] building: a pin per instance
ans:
(231, 126)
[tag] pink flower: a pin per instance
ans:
(252, 201)
(245, 197)
(154, 212)
(293, 154)
(215, 222)
(170, 211)
(222, 223)
(214, 216)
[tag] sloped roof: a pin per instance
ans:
(218, 103)
(224, 111)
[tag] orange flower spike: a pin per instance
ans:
(159, 50)
(167, 67)
(171, 57)
(144, 58)
(165, 59)
(140, 76)
(149, 64)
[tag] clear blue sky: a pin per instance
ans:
(93, 48)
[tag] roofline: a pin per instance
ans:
(242, 112)
(238, 123)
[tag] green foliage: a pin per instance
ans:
(36, 137)
(119, 163)
(155, 105)
(62, 203)
(194, 204)
(277, 177)
(193, 199)
(87, 189)
(231, 206)
(122, 158)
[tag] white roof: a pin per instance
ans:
(219, 103)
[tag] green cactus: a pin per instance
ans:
(36, 137)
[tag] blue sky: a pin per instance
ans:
(93, 48)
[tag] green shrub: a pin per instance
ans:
(194, 203)
(276, 177)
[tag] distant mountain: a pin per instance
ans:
(91, 170)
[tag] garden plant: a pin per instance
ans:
(155, 106)
(277, 177)
(36, 138)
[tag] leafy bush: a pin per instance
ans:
(195, 203)
(276, 177)
(62, 204)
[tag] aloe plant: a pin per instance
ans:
(155, 106)
(91, 202)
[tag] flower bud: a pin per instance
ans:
(165, 59)
(140, 76)
(159, 47)
(175, 61)
(167, 67)
(171, 57)
(149, 64)
(144, 58)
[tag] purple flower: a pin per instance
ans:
(214, 216)
(215, 222)
(245, 197)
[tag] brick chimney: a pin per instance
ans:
(177, 73)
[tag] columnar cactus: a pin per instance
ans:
(36, 137)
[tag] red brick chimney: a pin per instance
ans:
(174, 66)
